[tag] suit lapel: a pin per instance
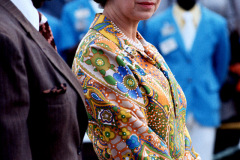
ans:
(47, 49)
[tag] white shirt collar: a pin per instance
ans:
(96, 7)
(29, 11)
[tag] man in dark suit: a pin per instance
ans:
(40, 99)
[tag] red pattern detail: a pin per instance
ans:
(235, 68)
(46, 31)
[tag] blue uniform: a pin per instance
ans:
(200, 71)
(76, 20)
(54, 8)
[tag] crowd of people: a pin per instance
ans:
(146, 82)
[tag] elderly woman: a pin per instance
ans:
(136, 109)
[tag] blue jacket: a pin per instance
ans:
(201, 71)
(76, 18)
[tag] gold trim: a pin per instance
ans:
(232, 125)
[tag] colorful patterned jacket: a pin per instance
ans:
(135, 107)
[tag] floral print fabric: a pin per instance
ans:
(136, 109)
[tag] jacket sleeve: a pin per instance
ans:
(118, 127)
(222, 52)
(117, 124)
(14, 102)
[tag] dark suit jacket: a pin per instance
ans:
(40, 105)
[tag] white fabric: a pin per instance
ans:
(188, 31)
(203, 138)
(96, 7)
(29, 11)
(86, 139)
(43, 20)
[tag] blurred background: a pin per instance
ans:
(70, 20)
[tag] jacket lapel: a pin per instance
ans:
(201, 35)
(47, 49)
(160, 63)
(104, 26)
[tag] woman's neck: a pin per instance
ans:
(127, 26)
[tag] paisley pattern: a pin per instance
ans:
(136, 109)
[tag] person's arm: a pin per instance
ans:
(14, 102)
(117, 120)
(120, 120)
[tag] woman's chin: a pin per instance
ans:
(145, 16)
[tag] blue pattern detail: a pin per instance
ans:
(122, 88)
(96, 97)
(133, 94)
(122, 72)
(128, 60)
(133, 142)
(141, 71)
(85, 90)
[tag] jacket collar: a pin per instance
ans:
(104, 26)
(47, 49)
